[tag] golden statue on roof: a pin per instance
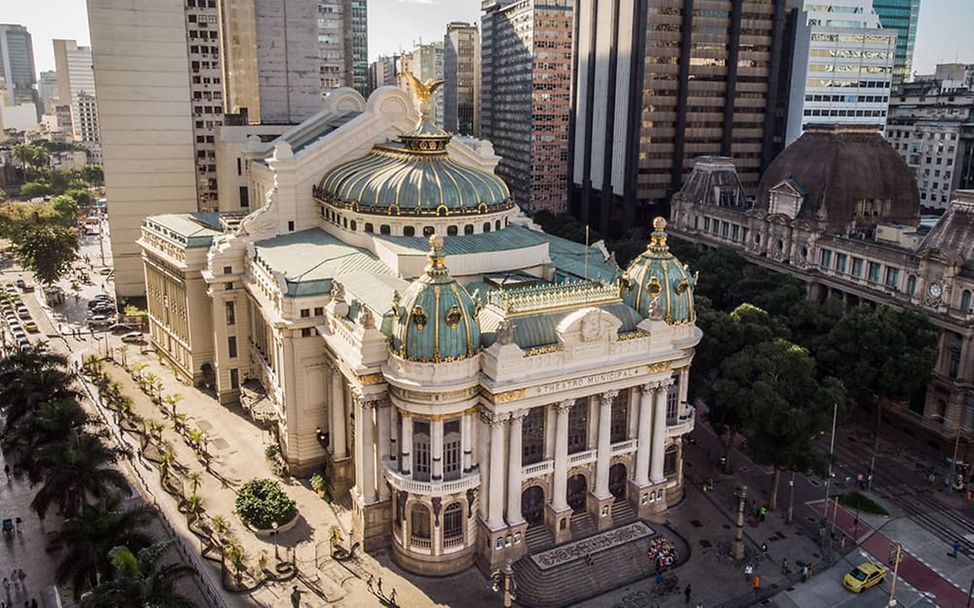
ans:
(422, 91)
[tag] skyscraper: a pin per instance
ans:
(343, 44)
(17, 62)
(426, 63)
(383, 72)
(47, 91)
(76, 88)
(461, 69)
(902, 16)
(360, 46)
(526, 76)
(661, 82)
(842, 66)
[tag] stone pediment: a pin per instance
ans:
(587, 326)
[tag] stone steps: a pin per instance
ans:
(538, 537)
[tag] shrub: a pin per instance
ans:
(261, 503)
(855, 500)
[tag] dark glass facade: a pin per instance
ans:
(900, 15)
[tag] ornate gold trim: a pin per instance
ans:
(508, 396)
(655, 368)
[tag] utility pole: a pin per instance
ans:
(896, 571)
(737, 549)
(791, 499)
(828, 482)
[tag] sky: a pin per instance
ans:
(943, 34)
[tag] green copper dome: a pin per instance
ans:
(436, 319)
(414, 176)
(657, 285)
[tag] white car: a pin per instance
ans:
(100, 320)
(134, 337)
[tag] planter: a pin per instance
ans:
(261, 533)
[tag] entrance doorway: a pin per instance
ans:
(576, 492)
(617, 480)
(532, 505)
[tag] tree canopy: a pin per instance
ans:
(47, 250)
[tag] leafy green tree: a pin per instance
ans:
(262, 502)
(90, 535)
(36, 189)
(47, 251)
(54, 423)
(29, 378)
(66, 209)
(809, 321)
(142, 580)
(81, 196)
(79, 473)
(881, 351)
(782, 405)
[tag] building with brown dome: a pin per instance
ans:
(840, 210)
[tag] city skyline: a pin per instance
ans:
(398, 24)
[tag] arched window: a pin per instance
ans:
(451, 230)
(354, 226)
(486, 226)
(497, 225)
(419, 522)
(408, 231)
(421, 451)
(451, 450)
(669, 461)
(965, 301)
(384, 229)
(453, 524)
(468, 229)
(369, 228)
(911, 285)
(344, 222)
(428, 231)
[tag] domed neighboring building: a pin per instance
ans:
(839, 210)
(481, 390)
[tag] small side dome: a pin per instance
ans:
(436, 319)
(657, 285)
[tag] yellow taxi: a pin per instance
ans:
(864, 576)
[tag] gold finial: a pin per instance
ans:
(657, 240)
(422, 91)
(436, 257)
(659, 224)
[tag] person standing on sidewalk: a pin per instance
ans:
(687, 593)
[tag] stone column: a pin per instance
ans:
(365, 448)
(684, 389)
(338, 426)
(641, 476)
(466, 441)
(514, 516)
(394, 437)
(406, 445)
(559, 492)
(659, 433)
(383, 446)
(436, 448)
(604, 446)
(495, 513)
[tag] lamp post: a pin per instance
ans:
(791, 499)
(896, 571)
(503, 581)
(828, 483)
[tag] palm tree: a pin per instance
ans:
(194, 504)
(53, 424)
(21, 392)
(137, 370)
(92, 533)
(196, 438)
(172, 400)
(122, 352)
(92, 363)
(195, 479)
(221, 527)
(238, 558)
(149, 381)
(77, 473)
(179, 422)
(142, 582)
(166, 461)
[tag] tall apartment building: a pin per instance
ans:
(949, 76)
(47, 91)
(933, 131)
(902, 16)
(343, 44)
(526, 76)
(383, 72)
(842, 67)
(461, 69)
(76, 88)
(649, 97)
(17, 62)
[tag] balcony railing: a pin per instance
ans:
(452, 542)
(537, 469)
(582, 457)
(404, 483)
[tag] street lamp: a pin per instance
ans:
(896, 571)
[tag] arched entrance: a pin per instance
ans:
(576, 492)
(617, 480)
(532, 505)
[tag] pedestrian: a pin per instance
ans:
(956, 548)
(757, 583)
(368, 583)
(784, 565)
(804, 573)
(6, 469)
(15, 579)
(687, 593)
(860, 481)
(659, 582)
(378, 585)
(764, 512)
(392, 597)
(6, 586)
(33, 602)
(20, 523)
(764, 548)
(295, 597)
(748, 571)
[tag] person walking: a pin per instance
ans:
(956, 548)
(686, 593)
(295, 597)
(748, 572)
(756, 581)
(659, 582)
(804, 573)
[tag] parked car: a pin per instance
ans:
(31, 327)
(123, 328)
(99, 302)
(134, 337)
(23, 342)
(99, 320)
(20, 283)
(23, 313)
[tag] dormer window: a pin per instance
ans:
(786, 199)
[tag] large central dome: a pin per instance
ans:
(414, 176)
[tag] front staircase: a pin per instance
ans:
(577, 580)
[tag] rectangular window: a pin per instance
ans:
(231, 313)
(305, 313)
(892, 277)
(706, 224)
(244, 197)
(421, 451)
(578, 426)
(619, 420)
(857, 267)
(672, 403)
(319, 311)
(873, 276)
(307, 332)
(840, 261)
(826, 258)
(232, 346)
(228, 270)
(451, 450)
(735, 232)
(234, 378)
(532, 436)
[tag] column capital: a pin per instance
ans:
(609, 396)
(518, 415)
(493, 418)
(369, 402)
(565, 406)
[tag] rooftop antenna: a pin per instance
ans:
(586, 253)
